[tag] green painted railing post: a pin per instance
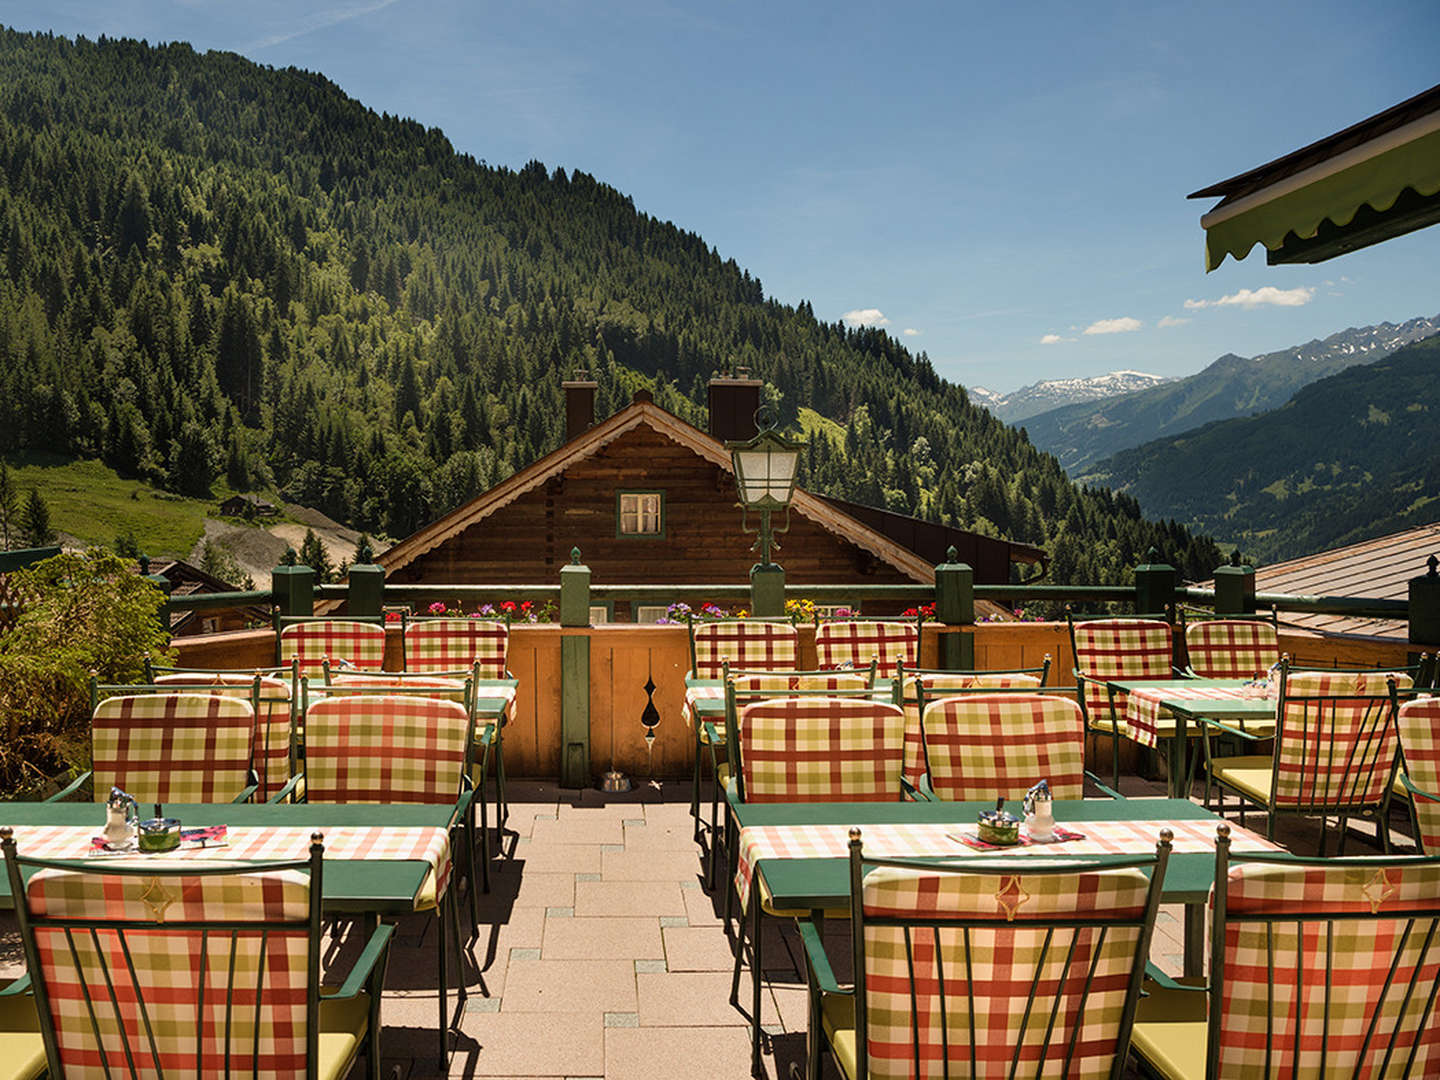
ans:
(767, 590)
(1235, 587)
(955, 606)
(164, 585)
(1425, 606)
(366, 595)
(575, 674)
(1154, 585)
(294, 589)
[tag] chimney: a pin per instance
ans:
(579, 403)
(733, 401)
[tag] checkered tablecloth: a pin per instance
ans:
(694, 695)
(1144, 709)
(926, 839)
(428, 844)
(484, 689)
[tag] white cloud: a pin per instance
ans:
(1249, 299)
(1123, 325)
(865, 317)
(910, 331)
(1171, 320)
(1051, 339)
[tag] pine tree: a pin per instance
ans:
(314, 555)
(35, 521)
(9, 506)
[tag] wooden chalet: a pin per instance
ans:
(647, 497)
(188, 580)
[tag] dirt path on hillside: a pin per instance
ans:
(259, 548)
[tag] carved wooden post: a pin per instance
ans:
(1154, 585)
(955, 606)
(1235, 587)
(294, 589)
(1425, 606)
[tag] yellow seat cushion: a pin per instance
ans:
(837, 1016)
(767, 906)
(1249, 774)
(1170, 1033)
(705, 734)
(22, 1048)
(343, 1024)
(722, 775)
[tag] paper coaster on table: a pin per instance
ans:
(210, 836)
(970, 839)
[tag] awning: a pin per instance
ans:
(1368, 183)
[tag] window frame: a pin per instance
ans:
(620, 533)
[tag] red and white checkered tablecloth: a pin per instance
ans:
(1144, 709)
(696, 694)
(279, 843)
(927, 839)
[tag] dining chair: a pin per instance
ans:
(1419, 725)
(1336, 752)
(854, 643)
(160, 745)
(1231, 648)
(355, 643)
(987, 746)
(1324, 967)
(399, 747)
(1132, 649)
(802, 748)
(182, 969)
(1000, 967)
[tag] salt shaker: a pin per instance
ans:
(122, 817)
(1040, 812)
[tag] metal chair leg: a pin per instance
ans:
(755, 925)
(443, 982)
(695, 786)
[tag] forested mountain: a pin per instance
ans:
(210, 267)
(1348, 458)
(1232, 386)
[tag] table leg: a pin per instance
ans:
(1179, 748)
(1194, 940)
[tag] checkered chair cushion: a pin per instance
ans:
(163, 969)
(767, 646)
(843, 643)
(1337, 743)
(1270, 964)
(172, 748)
(1420, 741)
(272, 738)
(982, 746)
(820, 749)
(361, 645)
(1231, 648)
(449, 689)
(456, 644)
(752, 684)
(925, 994)
(936, 684)
(384, 749)
(1107, 649)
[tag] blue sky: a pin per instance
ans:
(992, 183)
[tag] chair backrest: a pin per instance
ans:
(752, 684)
(457, 645)
(453, 687)
(742, 643)
(1336, 746)
(386, 748)
(855, 642)
(1356, 941)
(982, 746)
(1106, 649)
(1016, 967)
(1419, 725)
(1232, 648)
(274, 727)
(821, 749)
(162, 971)
(172, 748)
(312, 642)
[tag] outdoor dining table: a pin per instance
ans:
(705, 699)
(1149, 702)
(377, 858)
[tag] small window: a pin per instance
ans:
(599, 615)
(641, 513)
(650, 613)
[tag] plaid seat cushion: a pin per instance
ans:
(972, 987)
(449, 689)
(358, 644)
(273, 734)
(1278, 992)
(984, 746)
(935, 684)
(1337, 742)
(456, 645)
(821, 749)
(1107, 649)
(767, 646)
(385, 749)
(166, 971)
(180, 748)
(843, 643)
(1420, 741)
(1231, 648)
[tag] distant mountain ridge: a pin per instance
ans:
(1082, 434)
(1053, 393)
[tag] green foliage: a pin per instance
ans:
(78, 614)
(219, 561)
(314, 555)
(126, 546)
(9, 509)
(35, 521)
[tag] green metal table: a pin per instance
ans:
(1253, 714)
(376, 887)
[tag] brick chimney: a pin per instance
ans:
(579, 403)
(733, 401)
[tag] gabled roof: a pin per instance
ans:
(644, 412)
